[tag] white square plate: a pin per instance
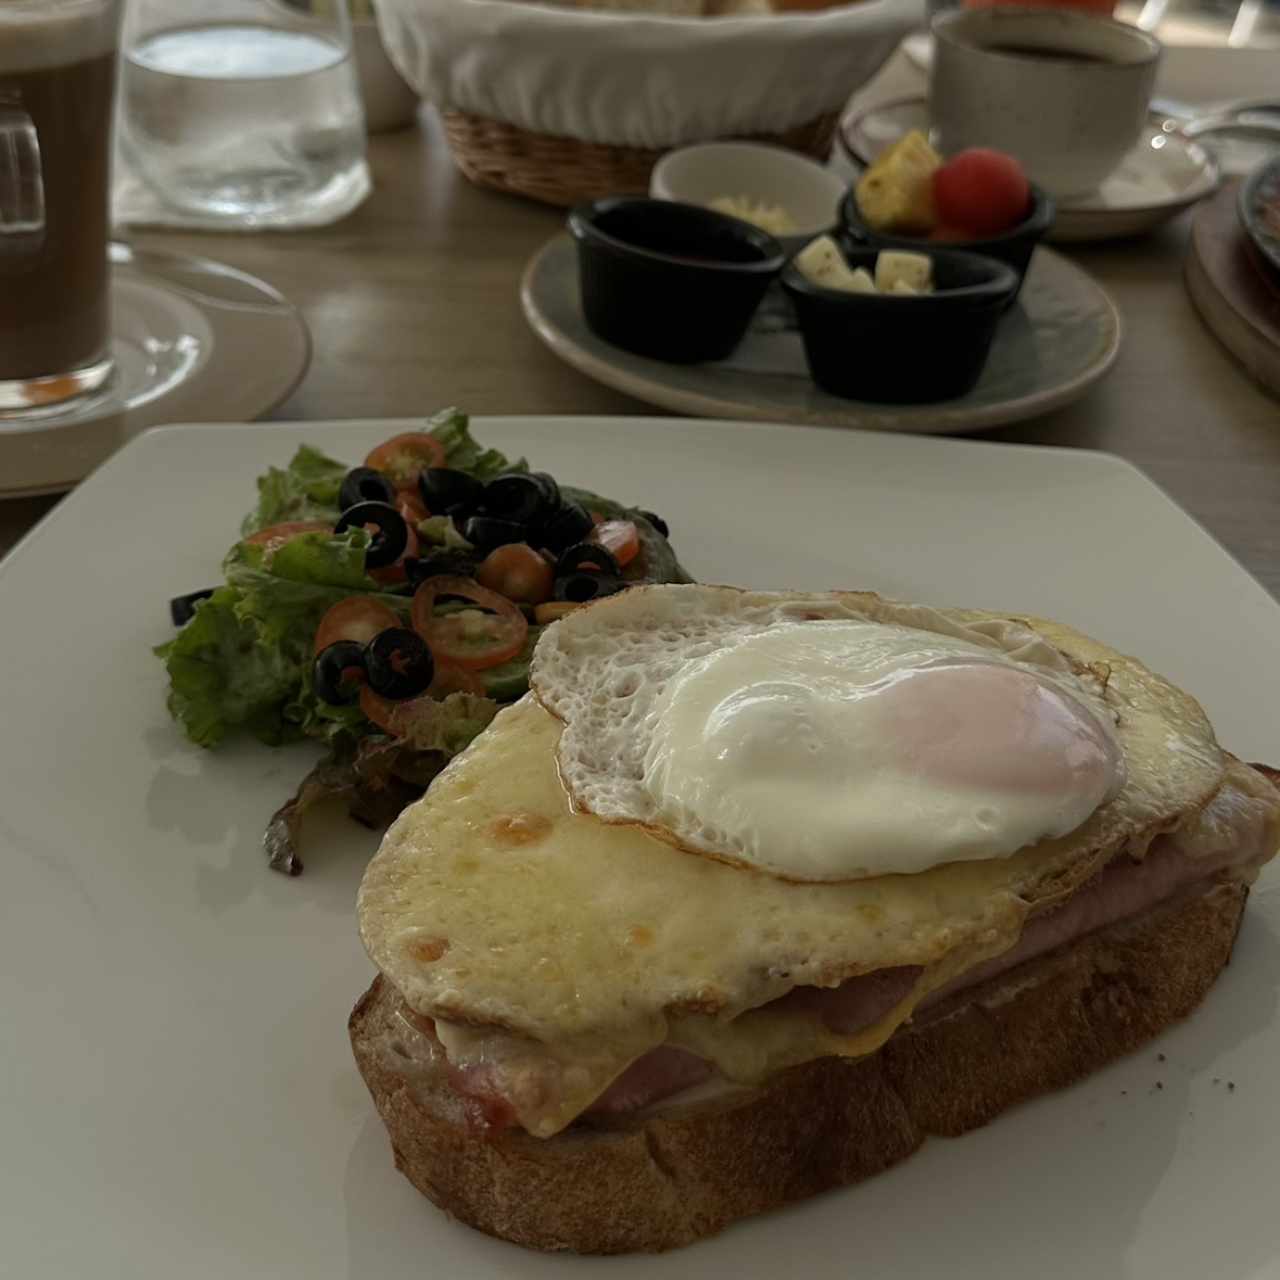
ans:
(177, 1095)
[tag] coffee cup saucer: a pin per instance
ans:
(193, 340)
(1165, 173)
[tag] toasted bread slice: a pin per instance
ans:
(678, 1172)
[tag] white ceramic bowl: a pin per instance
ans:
(810, 193)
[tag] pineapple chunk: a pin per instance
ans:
(896, 193)
(898, 272)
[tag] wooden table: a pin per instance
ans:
(413, 304)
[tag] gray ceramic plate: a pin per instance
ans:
(1260, 210)
(1060, 338)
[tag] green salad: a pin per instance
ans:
(388, 609)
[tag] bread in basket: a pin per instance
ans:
(566, 103)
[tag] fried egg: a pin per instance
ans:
(815, 741)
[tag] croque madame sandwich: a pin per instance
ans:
(755, 891)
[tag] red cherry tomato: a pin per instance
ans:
(274, 536)
(620, 537)
(358, 618)
(403, 456)
(984, 192)
(476, 638)
(518, 572)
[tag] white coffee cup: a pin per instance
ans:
(1065, 93)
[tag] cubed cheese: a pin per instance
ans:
(860, 281)
(915, 270)
(822, 263)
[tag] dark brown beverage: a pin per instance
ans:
(57, 85)
(1054, 55)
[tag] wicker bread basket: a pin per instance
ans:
(566, 171)
(564, 105)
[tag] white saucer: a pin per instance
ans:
(193, 339)
(1051, 347)
(919, 50)
(1165, 173)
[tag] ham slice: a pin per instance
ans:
(661, 1073)
(1233, 832)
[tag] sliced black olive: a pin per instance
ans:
(183, 608)
(523, 498)
(586, 555)
(454, 564)
(331, 674)
(657, 521)
(398, 663)
(392, 534)
(488, 532)
(570, 524)
(364, 484)
(586, 584)
(549, 487)
(446, 491)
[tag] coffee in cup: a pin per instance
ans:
(1065, 93)
(57, 87)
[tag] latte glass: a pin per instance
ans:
(57, 87)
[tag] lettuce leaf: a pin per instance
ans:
(307, 489)
(222, 675)
(244, 659)
(452, 428)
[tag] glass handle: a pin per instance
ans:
(21, 176)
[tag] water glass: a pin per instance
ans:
(57, 86)
(249, 114)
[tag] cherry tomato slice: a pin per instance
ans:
(451, 678)
(403, 456)
(518, 572)
(475, 638)
(620, 537)
(359, 618)
(553, 611)
(274, 536)
(409, 504)
(397, 718)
